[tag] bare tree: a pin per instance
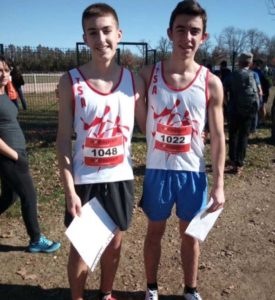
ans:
(219, 54)
(164, 48)
(233, 40)
(257, 41)
(271, 50)
(204, 54)
(271, 6)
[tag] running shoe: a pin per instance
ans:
(43, 245)
(151, 295)
(189, 296)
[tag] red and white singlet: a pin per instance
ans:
(175, 122)
(103, 124)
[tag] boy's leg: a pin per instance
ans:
(192, 197)
(157, 203)
(152, 249)
(190, 252)
(109, 263)
(77, 274)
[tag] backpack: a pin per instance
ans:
(11, 91)
(244, 92)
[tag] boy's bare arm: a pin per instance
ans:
(217, 138)
(64, 144)
(140, 106)
(146, 73)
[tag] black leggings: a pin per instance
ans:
(17, 181)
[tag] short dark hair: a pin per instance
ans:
(223, 63)
(258, 62)
(6, 61)
(98, 10)
(191, 8)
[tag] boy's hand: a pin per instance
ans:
(217, 194)
(74, 205)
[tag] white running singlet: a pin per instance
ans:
(103, 124)
(175, 122)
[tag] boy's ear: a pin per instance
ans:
(205, 37)
(169, 33)
(119, 35)
(84, 38)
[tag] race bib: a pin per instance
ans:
(173, 139)
(103, 152)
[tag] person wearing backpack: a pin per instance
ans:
(265, 84)
(18, 82)
(242, 106)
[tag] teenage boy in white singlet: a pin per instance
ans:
(181, 95)
(98, 101)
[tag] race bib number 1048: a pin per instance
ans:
(102, 152)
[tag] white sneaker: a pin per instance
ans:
(151, 295)
(195, 296)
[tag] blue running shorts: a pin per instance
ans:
(164, 188)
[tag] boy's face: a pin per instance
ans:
(187, 35)
(4, 74)
(102, 35)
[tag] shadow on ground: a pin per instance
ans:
(27, 292)
(10, 248)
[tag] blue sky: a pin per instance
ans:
(57, 23)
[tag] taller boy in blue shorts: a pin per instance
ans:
(181, 96)
(98, 101)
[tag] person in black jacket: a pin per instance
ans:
(18, 81)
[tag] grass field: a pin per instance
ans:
(236, 259)
(39, 121)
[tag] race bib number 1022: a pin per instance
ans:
(173, 139)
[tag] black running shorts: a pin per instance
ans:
(117, 198)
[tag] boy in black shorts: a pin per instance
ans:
(98, 101)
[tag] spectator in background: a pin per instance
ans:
(224, 70)
(209, 67)
(18, 81)
(242, 106)
(265, 85)
(222, 73)
(15, 175)
(255, 118)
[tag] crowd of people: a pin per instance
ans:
(173, 102)
(246, 92)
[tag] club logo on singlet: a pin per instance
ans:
(105, 145)
(173, 132)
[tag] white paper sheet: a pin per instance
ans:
(91, 232)
(202, 223)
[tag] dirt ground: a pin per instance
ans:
(237, 259)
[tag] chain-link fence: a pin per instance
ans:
(42, 67)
